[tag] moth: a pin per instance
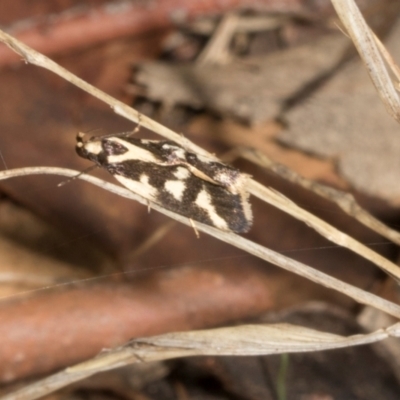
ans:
(165, 173)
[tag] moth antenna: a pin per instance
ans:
(80, 135)
(135, 130)
(92, 167)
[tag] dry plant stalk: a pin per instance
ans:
(216, 51)
(343, 200)
(151, 241)
(238, 340)
(255, 249)
(266, 194)
(370, 53)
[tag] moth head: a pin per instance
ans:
(90, 149)
(99, 149)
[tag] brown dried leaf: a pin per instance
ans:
(347, 121)
(255, 91)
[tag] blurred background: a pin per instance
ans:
(82, 269)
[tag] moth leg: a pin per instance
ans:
(137, 127)
(135, 130)
(194, 228)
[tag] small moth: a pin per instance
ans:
(163, 172)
